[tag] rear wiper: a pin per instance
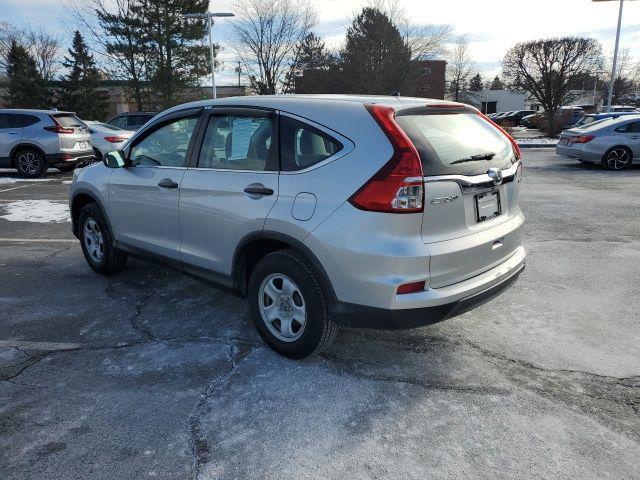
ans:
(474, 158)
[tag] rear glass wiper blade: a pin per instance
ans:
(474, 158)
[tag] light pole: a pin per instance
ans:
(209, 16)
(615, 53)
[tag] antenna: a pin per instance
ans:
(396, 93)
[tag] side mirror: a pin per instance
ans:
(114, 159)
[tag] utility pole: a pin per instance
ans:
(209, 16)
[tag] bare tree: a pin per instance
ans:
(460, 67)
(551, 70)
(41, 45)
(45, 49)
(265, 37)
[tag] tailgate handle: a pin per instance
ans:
(497, 244)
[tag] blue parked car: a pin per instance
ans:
(595, 117)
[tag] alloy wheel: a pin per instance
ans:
(282, 307)
(28, 163)
(93, 240)
(617, 159)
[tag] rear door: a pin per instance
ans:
(471, 192)
(143, 196)
(230, 187)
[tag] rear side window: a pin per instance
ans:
(20, 120)
(302, 145)
(239, 142)
(448, 142)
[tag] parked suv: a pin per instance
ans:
(32, 140)
(323, 210)
(131, 120)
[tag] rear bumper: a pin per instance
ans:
(436, 304)
(68, 157)
(581, 153)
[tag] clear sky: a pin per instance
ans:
(493, 25)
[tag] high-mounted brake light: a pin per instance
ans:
(398, 187)
(57, 128)
(514, 144)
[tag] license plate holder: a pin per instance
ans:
(488, 205)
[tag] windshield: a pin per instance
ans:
(456, 143)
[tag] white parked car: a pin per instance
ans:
(106, 138)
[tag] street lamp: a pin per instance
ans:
(615, 53)
(209, 16)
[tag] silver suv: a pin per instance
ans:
(322, 210)
(32, 140)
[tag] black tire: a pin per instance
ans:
(97, 156)
(319, 330)
(66, 168)
(30, 163)
(112, 260)
(617, 164)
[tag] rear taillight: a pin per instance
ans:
(582, 139)
(57, 128)
(514, 144)
(398, 187)
(115, 139)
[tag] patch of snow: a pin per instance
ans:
(36, 211)
(541, 140)
(10, 180)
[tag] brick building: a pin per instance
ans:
(429, 78)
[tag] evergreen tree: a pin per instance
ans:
(310, 54)
(497, 84)
(475, 84)
(27, 88)
(177, 58)
(80, 91)
(375, 56)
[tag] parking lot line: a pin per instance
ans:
(15, 188)
(39, 240)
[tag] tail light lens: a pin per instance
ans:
(514, 144)
(398, 187)
(582, 139)
(115, 139)
(57, 128)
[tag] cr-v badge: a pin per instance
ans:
(444, 200)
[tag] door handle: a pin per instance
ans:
(167, 183)
(258, 189)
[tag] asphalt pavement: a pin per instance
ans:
(150, 374)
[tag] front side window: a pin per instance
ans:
(166, 146)
(239, 142)
(302, 145)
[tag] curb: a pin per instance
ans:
(537, 145)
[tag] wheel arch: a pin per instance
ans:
(21, 146)
(81, 198)
(256, 245)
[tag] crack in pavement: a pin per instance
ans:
(200, 449)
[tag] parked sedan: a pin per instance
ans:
(613, 142)
(106, 138)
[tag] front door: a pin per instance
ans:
(229, 189)
(143, 196)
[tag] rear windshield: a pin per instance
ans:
(69, 121)
(447, 143)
